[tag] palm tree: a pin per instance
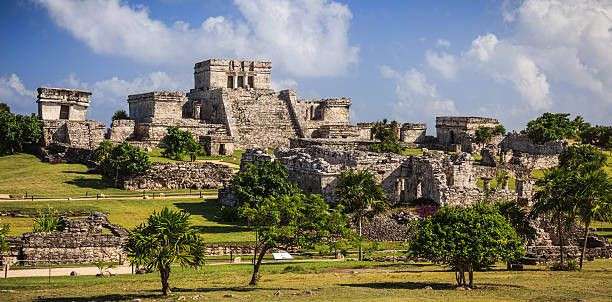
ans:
(165, 238)
(592, 194)
(360, 195)
(553, 198)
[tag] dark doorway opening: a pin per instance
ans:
(230, 82)
(64, 112)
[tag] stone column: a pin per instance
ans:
(235, 85)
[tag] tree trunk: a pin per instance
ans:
(471, 276)
(360, 241)
(561, 249)
(164, 273)
(584, 244)
(257, 264)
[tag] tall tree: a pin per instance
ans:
(360, 195)
(552, 126)
(387, 135)
(166, 238)
(4, 245)
(291, 220)
(551, 199)
(466, 239)
(18, 132)
(590, 187)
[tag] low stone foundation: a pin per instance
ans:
(188, 175)
(548, 253)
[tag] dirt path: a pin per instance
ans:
(119, 270)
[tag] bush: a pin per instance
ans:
(386, 133)
(178, 143)
(47, 220)
(485, 134)
(120, 115)
(597, 136)
(124, 160)
(17, 132)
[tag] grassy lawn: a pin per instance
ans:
(131, 212)
(156, 156)
(25, 173)
(324, 281)
(412, 152)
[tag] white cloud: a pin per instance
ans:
(284, 84)
(443, 43)
(14, 93)
(305, 38)
(416, 96)
(442, 62)
(111, 94)
(556, 58)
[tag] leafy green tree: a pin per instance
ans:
(120, 115)
(466, 239)
(166, 238)
(518, 217)
(553, 126)
(47, 220)
(386, 133)
(17, 132)
(590, 187)
(291, 220)
(597, 136)
(124, 161)
(5, 107)
(103, 151)
(551, 199)
(258, 181)
(592, 193)
(360, 195)
(177, 143)
(485, 134)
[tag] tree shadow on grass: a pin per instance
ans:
(219, 229)
(94, 184)
(421, 285)
(109, 297)
(209, 209)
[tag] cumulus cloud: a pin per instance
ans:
(442, 62)
(443, 43)
(556, 58)
(305, 38)
(14, 93)
(284, 84)
(111, 94)
(416, 96)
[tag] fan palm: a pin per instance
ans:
(165, 238)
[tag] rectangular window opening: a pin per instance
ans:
(64, 112)
(230, 82)
(251, 82)
(241, 81)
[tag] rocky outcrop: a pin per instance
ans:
(192, 175)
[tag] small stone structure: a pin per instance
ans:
(63, 114)
(82, 240)
(183, 175)
(520, 150)
(453, 131)
(413, 134)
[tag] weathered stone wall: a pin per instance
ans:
(456, 130)
(412, 133)
(51, 100)
(219, 73)
(121, 130)
(548, 253)
(81, 241)
(155, 131)
(196, 175)
(156, 106)
(335, 144)
(75, 134)
(521, 143)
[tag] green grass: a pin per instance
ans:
(493, 183)
(131, 212)
(412, 152)
(156, 156)
(25, 173)
(324, 281)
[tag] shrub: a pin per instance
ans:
(47, 220)
(17, 132)
(386, 133)
(124, 160)
(177, 143)
(569, 265)
(485, 134)
(597, 136)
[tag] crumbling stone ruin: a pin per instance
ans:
(63, 113)
(82, 240)
(457, 133)
(195, 175)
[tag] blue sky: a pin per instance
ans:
(403, 60)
